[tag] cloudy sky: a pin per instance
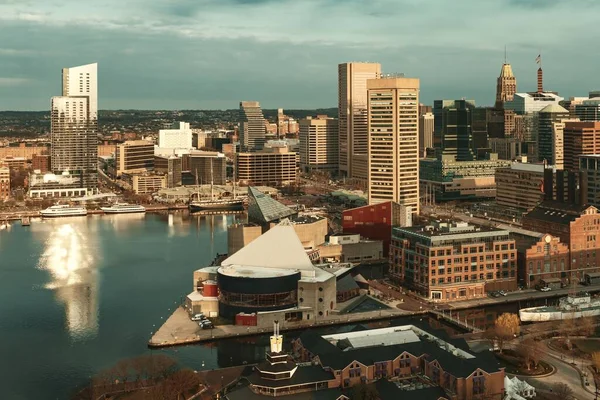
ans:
(210, 54)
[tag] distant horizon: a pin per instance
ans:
(182, 109)
(209, 55)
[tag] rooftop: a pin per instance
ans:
(278, 248)
(452, 230)
(371, 346)
(557, 212)
(263, 208)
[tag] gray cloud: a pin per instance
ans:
(284, 53)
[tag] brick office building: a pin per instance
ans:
(453, 261)
(576, 223)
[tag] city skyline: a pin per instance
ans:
(191, 55)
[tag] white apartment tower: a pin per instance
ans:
(352, 114)
(393, 123)
(74, 126)
(252, 126)
(319, 144)
(179, 136)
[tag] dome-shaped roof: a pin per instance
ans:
(554, 108)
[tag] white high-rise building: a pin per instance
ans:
(393, 123)
(178, 137)
(74, 128)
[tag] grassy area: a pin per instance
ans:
(514, 364)
(588, 346)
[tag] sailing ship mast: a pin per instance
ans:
(212, 195)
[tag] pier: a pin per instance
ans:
(455, 320)
(179, 329)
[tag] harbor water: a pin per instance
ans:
(79, 294)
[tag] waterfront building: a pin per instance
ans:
(40, 162)
(550, 140)
(179, 136)
(526, 103)
(520, 185)
(588, 110)
(426, 123)
(376, 221)
(319, 144)
(275, 166)
(171, 166)
(453, 261)
(544, 261)
(4, 182)
(274, 273)
(146, 183)
(451, 370)
(577, 226)
(134, 156)
(580, 138)
(207, 166)
(352, 114)
(569, 217)
(264, 210)
(449, 179)
(74, 126)
(252, 126)
(393, 141)
(50, 185)
(506, 86)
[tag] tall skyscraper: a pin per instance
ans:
(425, 133)
(506, 86)
(393, 126)
(74, 126)
(352, 114)
(548, 137)
(319, 144)
(252, 126)
(453, 130)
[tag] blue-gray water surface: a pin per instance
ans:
(79, 294)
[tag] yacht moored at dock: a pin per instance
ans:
(63, 211)
(573, 306)
(123, 208)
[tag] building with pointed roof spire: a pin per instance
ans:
(506, 86)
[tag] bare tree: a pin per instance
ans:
(531, 351)
(562, 391)
(596, 360)
(566, 329)
(586, 326)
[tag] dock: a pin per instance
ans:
(179, 329)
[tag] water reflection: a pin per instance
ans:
(70, 257)
(123, 222)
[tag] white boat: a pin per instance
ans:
(573, 306)
(123, 208)
(63, 211)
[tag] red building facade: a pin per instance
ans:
(376, 221)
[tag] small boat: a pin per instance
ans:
(123, 208)
(25, 221)
(63, 211)
(571, 307)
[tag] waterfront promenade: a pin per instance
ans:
(18, 214)
(179, 329)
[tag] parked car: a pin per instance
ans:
(198, 317)
(495, 294)
(545, 289)
(206, 324)
(503, 293)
